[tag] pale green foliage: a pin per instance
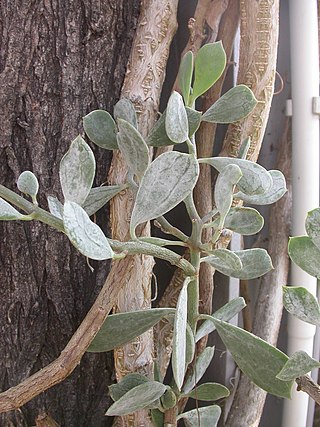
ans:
(28, 184)
(300, 363)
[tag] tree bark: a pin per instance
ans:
(58, 61)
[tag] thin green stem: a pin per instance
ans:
(167, 228)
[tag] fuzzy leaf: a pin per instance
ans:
(223, 192)
(137, 398)
(157, 417)
(202, 363)
(300, 363)
(299, 302)
(209, 392)
(8, 212)
(55, 207)
(179, 343)
(185, 75)
(259, 360)
(133, 148)
(77, 170)
(101, 129)
(115, 332)
(166, 183)
(190, 345)
(305, 254)
(245, 221)
(28, 184)
(275, 192)
(194, 120)
(244, 148)
(222, 259)
(127, 383)
(99, 196)
(209, 65)
(124, 109)
(234, 105)
(313, 226)
(225, 313)
(84, 234)
(209, 416)
(176, 123)
(255, 179)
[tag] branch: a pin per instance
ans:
(306, 384)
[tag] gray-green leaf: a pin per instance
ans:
(299, 302)
(168, 181)
(99, 196)
(209, 416)
(133, 148)
(305, 254)
(202, 363)
(223, 192)
(77, 170)
(222, 259)
(28, 184)
(313, 226)
(101, 129)
(259, 360)
(84, 234)
(209, 392)
(176, 120)
(55, 207)
(245, 221)
(234, 105)
(115, 332)
(137, 398)
(300, 363)
(185, 75)
(124, 109)
(8, 212)
(127, 383)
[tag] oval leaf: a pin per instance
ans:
(8, 212)
(99, 196)
(127, 383)
(101, 129)
(124, 109)
(209, 416)
(299, 302)
(190, 345)
(137, 398)
(55, 207)
(275, 192)
(223, 191)
(84, 234)
(255, 179)
(176, 120)
(133, 148)
(222, 259)
(209, 65)
(202, 363)
(185, 75)
(234, 105)
(115, 332)
(305, 254)
(166, 183)
(300, 363)
(28, 184)
(245, 221)
(259, 360)
(313, 226)
(209, 392)
(77, 170)
(179, 343)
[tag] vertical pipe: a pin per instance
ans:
(305, 170)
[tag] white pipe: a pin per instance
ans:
(305, 171)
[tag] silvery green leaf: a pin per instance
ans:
(137, 398)
(8, 213)
(133, 148)
(28, 184)
(255, 263)
(222, 259)
(176, 121)
(313, 226)
(127, 383)
(245, 221)
(99, 196)
(260, 361)
(255, 179)
(55, 207)
(167, 182)
(84, 234)
(77, 170)
(157, 417)
(244, 148)
(299, 302)
(209, 416)
(185, 75)
(225, 313)
(179, 343)
(190, 345)
(101, 129)
(115, 332)
(234, 105)
(275, 192)
(209, 65)
(169, 399)
(209, 392)
(223, 192)
(300, 363)
(194, 120)
(124, 109)
(305, 254)
(202, 363)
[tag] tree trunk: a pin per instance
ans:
(58, 61)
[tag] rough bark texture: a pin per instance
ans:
(58, 61)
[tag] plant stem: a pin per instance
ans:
(167, 228)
